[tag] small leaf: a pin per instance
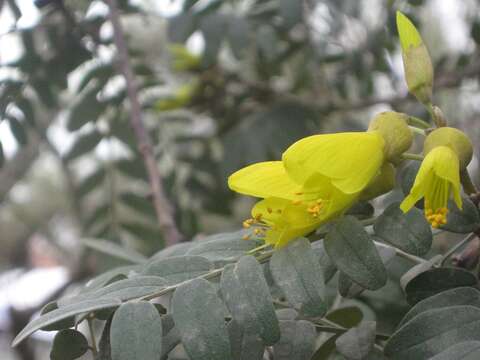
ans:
(297, 341)
(468, 350)
(296, 270)
(84, 144)
(434, 331)
(64, 313)
(453, 297)
(179, 268)
(409, 232)
(327, 348)
(114, 250)
(61, 325)
(462, 221)
(86, 109)
(248, 298)
(357, 342)
(136, 332)
(91, 181)
(408, 175)
(198, 314)
(328, 267)
(68, 345)
(245, 345)
(139, 203)
(417, 270)
(433, 281)
(347, 317)
(354, 253)
(17, 130)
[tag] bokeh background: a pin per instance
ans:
(223, 83)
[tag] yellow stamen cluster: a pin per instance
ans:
(315, 208)
(437, 217)
(259, 226)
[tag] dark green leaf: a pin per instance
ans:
(136, 332)
(104, 349)
(61, 325)
(453, 297)
(245, 345)
(198, 314)
(26, 107)
(297, 341)
(238, 36)
(144, 232)
(347, 317)
(100, 72)
(328, 267)
(462, 221)
(354, 253)
(91, 181)
(132, 167)
(64, 313)
(297, 271)
(115, 250)
(357, 342)
(138, 203)
(84, 144)
(408, 175)
(468, 350)
(248, 298)
(409, 232)
(213, 28)
(179, 268)
(361, 210)
(86, 109)
(327, 348)
(418, 269)
(434, 331)
(222, 247)
(17, 130)
(2, 155)
(68, 345)
(433, 281)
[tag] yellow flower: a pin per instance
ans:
(438, 178)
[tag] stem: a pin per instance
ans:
(453, 249)
(163, 208)
(411, 156)
(467, 183)
(92, 337)
(418, 131)
(402, 253)
(369, 221)
(415, 121)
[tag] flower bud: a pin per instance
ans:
(395, 131)
(452, 138)
(416, 60)
(381, 184)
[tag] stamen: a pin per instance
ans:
(269, 210)
(296, 202)
(437, 217)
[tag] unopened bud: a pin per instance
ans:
(454, 139)
(381, 184)
(395, 131)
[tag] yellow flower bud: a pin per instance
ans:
(452, 138)
(416, 60)
(395, 131)
(381, 184)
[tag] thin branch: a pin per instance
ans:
(163, 208)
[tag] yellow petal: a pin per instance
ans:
(264, 179)
(349, 160)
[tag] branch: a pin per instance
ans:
(163, 208)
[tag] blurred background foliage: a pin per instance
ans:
(223, 83)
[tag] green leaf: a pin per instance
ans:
(115, 250)
(245, 345)
(468, 350)
(64, 313)
(291, 12)
(354, 253)
(328, 267)
(462, 221)
(17, 130)
(84, 144)
(25, 105)
(357, 342)
(434, 331)
(180, 268)
(408, 175)
(139, 203)
(297, 341)
(327, 348)
(347, 317)
(172, 251)
(61, 325)
(2, 155)
(361, 210)
(86, 109)
(409, 232)
(433, 281)
(68, 345)
(223, 247)
(297, 271)
(125, 289)
(213, 28)
(248, 298)
(148, 233)
(136, 332)
(104, 348)
(100, 72)
(198, 314)
(238, 36)
(132, 168)
(417, 270)
(91, 181)
(267, 42)
(106, 278)
(453, 297)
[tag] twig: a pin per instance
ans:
(410, 156)
(162, 206)
(402, 253)
(450, 252)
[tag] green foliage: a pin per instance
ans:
(68, 345)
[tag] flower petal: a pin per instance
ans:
(264, 179)
(350, 160)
